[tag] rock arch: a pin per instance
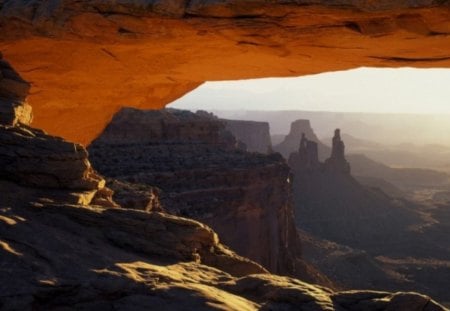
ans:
(86, 59)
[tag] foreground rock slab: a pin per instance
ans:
(87, 257)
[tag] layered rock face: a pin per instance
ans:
(291, 141)
(32, 158)
(255, 135)
(136, 55)
(44, 161)
(245, 197)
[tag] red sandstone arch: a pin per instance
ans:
(85, 63)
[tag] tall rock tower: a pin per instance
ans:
(337, 162)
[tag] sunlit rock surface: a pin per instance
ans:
(86, 257)
(86, 59)
(245, 197)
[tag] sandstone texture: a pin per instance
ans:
(245, 197)
(255, 135)
(31, 157)
(148, 53)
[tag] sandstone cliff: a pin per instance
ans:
(245, 197)
(149, 53)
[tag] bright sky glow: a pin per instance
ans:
(404, 90)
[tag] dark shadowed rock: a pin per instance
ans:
(245, 197)
(13, 92)
(33, 158)
(337, 162)
(140, 197)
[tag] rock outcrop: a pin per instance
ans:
(331, 204)
(307, 157)
(291, 141)
(13, 92)
(255, 135)
(337, 162)
(350, 227)
(245, 197)
(32, 158)
(149, 53)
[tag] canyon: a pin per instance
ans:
(346, 226)
(59, 253)
(122, 237)
(202, 174)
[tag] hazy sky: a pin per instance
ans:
(363, 90)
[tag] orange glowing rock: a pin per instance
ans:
(85, 63)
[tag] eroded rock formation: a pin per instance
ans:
(337, 162)
(350, 228)
(32, 158)
(245, 197)
(307, 157)
(291, 141)
(148, 53)
(331, 204)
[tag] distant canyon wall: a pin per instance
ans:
(255, 135)
(291, 141)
